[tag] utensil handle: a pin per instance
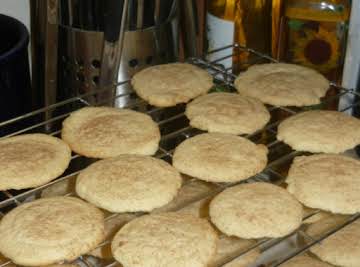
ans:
(112, 19)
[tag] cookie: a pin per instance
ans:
(31, 160)
(170, 84)
(165, 240)
(328, 182)
(219, 157)
(50, 230)
(281, 84)
(129, 183)
(320, 131)
(227, 113)
(341, 248)
(256, 210)
(103, 132)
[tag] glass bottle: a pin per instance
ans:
(246, 22)
(313, 34)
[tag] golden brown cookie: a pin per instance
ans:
(320, 131)
(219, 157)
(31, 160)
(103, 132)
(129, 183)
(281, 84)
(50, 230)
(326, 181)
(256, 210)
(170, 84)
(227, 113)
(165, 240)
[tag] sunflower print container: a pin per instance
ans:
(314, 35)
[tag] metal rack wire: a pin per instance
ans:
(174, 128)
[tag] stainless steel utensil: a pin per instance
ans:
(81, 57)
(114, 28)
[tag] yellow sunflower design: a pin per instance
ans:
(316, 49)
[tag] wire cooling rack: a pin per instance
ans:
(175, 128)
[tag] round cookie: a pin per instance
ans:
(326, 181)
(170, 84)
(227, 113)
(256, 210)
(103, 132)
(281, 84)
(31, 160)
(165, 240)
(320, 131)
(51, 230)
(129, 183)
(305, 261)
(341, 248)
(217, 157)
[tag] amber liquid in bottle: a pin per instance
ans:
(314, 35)
(247, 23)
